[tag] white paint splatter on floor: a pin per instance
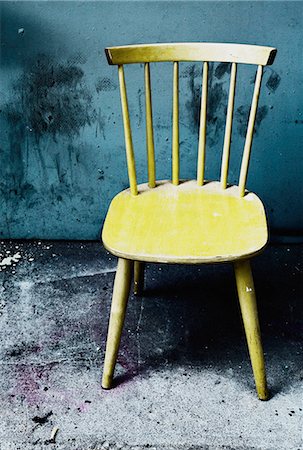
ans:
(9, 260)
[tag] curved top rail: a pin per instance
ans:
(191, 51)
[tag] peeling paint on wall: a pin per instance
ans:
(50, 98)
(50, 105)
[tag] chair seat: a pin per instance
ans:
(185, 224)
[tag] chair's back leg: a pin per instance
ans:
(248, 305)
(117, 315)
(138, 277)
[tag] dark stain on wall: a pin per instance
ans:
(100, 124)
(60, 171)
(77, 58)
(140, 106)
(216, 113)
(216, 106)
(48, 101)
(242, 114)
(222, 69)
(260, 116)
(191, 70)
(14, 162)
(52, 99)
(105, 84)
(273, 81)
(216, 100)
(193, 104)
(216, 97)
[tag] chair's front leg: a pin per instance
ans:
(248, 305)
(139, 267)
(117, 315)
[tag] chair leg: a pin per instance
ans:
(117, 315)
(248, 305)
(138, 277)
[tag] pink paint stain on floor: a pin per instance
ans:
(127, 361)
(32, 383)
(30, 380)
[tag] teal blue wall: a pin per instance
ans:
(61, 144)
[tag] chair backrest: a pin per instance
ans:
(204, 52)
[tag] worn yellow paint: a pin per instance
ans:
(117, 315)
(185, 224)
(191, 51)
(248, 305)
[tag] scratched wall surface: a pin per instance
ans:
(61, 144)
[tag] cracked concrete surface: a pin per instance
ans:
(183, 378)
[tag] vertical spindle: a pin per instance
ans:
(250, 132)
(202, 129)
(175, 149)
(127, 133)
(228, 126)
(149, 129)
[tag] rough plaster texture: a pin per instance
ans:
(183, 378)
(61, 140)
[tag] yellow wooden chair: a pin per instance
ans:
(187, 222)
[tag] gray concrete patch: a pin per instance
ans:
(183, 378)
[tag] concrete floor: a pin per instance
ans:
(183, 376)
